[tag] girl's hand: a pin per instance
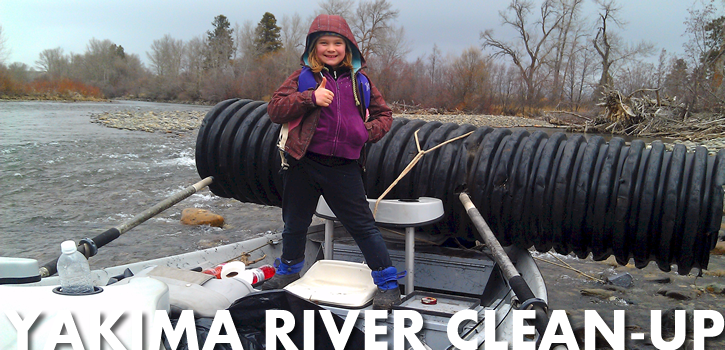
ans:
(323, 97)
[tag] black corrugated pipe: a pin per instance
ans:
(547, 191)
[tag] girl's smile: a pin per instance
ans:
(330, 50)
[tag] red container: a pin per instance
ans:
(215, 271)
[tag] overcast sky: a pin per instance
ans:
(31, 26)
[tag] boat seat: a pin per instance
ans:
(396, 213)
(336, 283)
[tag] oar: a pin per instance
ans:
(89, 247)
(512, 275)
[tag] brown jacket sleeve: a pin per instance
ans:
(287, 103)
(381, 116)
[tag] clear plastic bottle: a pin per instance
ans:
(73, 270)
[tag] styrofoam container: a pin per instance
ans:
(338, 283)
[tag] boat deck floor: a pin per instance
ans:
(454, 271)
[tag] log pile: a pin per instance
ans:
(644, 113)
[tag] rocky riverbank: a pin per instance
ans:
(182, 121)
(151, 121)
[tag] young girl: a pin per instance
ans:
(328, 124)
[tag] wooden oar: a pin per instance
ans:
(89, 247)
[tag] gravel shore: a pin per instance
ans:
(151, 121)
(182, 121)
(186, 120)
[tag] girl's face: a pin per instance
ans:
(330, 50)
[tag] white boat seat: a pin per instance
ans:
(408, 214)
(336, 283)
(396, 212)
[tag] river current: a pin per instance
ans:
(63, 177)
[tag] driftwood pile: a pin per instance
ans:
(642, 115)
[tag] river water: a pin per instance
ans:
(63, 177)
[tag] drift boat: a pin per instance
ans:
(441, 282)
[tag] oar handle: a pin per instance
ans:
(89, 246)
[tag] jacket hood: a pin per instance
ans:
(336, 24)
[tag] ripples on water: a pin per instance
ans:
(63, 177)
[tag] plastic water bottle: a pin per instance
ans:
(73, 270)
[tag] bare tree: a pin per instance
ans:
(389, 60)
(107, 66)
(193, 67)
(531, 50)
(99, 59)
(166, 56)
(247, 57)
(293, 32)
(434, 62)
(566, 39)
(4, 49)
(505, 81)
(609, 45)
(705, 51)
(53, 62)
(578, 81)
(393, 45)
(633, 77)
(341, 8)
(293, 39)
(245, 40)
(20, 72)
(469, 75)
(661, 68)
(372, 22)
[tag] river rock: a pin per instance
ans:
(716, 288)
(196, 217)
(679, 294)
(658, 278)
(624, 280)
(599, 293)
(719, 249)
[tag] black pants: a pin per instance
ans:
(340, 182)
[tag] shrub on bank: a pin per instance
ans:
(64, 88)
(46, 89)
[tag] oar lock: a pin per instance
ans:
(89, 247)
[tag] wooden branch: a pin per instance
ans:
(642, 90)
(571, 113)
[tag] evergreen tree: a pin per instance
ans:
(267, 35)
(220, 43)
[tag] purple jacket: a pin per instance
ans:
(341, 130)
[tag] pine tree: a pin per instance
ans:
(267, 35)
(220, 43)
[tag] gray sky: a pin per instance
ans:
(31, 26)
